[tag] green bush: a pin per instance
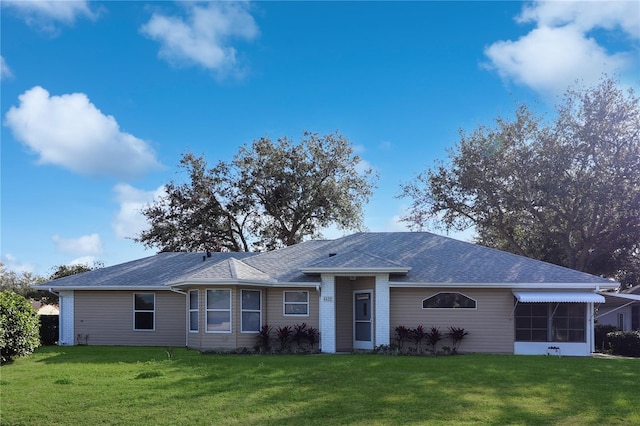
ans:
(625, 343)
(19, 326)
(600, 336)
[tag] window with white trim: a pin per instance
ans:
(251, 316)
(296, 303)
(218, 310)
(449, 300)
(193, 311)
(144, 311)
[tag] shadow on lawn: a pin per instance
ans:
(350, 389)
(107, 354)
(363, 388)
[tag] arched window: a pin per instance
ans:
(448, 301)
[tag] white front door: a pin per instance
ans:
(363, 319)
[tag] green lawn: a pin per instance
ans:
(132, 386)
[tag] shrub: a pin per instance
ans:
(433, 337)
(402, 335)
(300, 334)
(19, 327)
(418, 334)
(625, 343)
(600, 332)
(264, 339)
(456, 334)
(313, 337)
(284, 335)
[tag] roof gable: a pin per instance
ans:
(228, 269)
(355, 261)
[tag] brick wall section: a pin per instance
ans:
(67, 335)
(328, 314)
(382, 332)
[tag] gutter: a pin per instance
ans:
(506, 285)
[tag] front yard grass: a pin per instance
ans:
(138, 386)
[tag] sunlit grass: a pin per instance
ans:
(124, 385)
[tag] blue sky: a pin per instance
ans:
(99, 99)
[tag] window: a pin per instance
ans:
(550, 322)
(449, 301)
(193, 311)
(635, 317)
(621, 321)
(251, 311)
(296, 303)
(218, 311)
(144, 311)
(531, 322)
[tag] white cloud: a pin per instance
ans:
(43, 14)
(5, 71)
(561, 49)
(13, 264)
(586, 15)
(84, 260)
(85, 245)
(204, 37)
(69, 131)
(363, 166)
(395, 224)
(129, 221)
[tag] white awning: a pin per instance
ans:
(558, 297)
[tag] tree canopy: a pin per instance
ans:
(62, 271)
(566, 191)
(272, 194)
(22, 282)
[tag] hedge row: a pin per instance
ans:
(625, 343)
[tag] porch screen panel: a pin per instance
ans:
(531, 322)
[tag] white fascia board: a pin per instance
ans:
(356, 271)
(523, 286)
(104, 287)
(249, 283)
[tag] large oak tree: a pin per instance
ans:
(272, 194)
(565, 191)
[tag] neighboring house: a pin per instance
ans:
(44, 309)
(621, 309)
(354, 289)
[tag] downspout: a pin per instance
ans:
(186, 334)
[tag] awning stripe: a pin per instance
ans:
(557, 296)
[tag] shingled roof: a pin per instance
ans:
(410, 258)
(154, 271)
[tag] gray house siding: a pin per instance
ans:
(106, 318)
(490, 326)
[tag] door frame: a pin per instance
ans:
(360, 344)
